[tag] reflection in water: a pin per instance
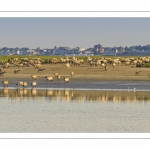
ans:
(34, 110)
(76, 95)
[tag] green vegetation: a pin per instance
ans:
(43, 58)
(146, 65)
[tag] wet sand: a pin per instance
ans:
(83, 84)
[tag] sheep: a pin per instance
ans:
(55, 74)
(33, 84)
(103, 65)
(2, 73)
(66, 80)
(106, 68)
(41, 69)
(5, 66)
(20, 65)
(37, 66)
(25, 84)
(5, 83)
(58, 77)
(137, 72)
(67, 65)
(49, 79)
(16, 71)
(34, 77)
(71, 73)
(113, 65)
(20, 83)
(127, 63)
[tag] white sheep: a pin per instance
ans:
(25, 84)
(113, 65)
(34, 77)
(20, 65)
(66, 80)
(20, 83)
(67, 65)
(106, 68)
(58, 77)
(71, 73)
(33, 84)
(103, 65)
(5, 83)
(49, 79)
(55, 74)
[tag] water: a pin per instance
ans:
(74, 111)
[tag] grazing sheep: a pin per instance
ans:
(137, 72)
(20, 65)
(37, 66)
(67, 65)
(2, 73)
(25, 84)
(66, 80)
(20, 83)
(5, 83)
(49, 79)
(34, 77)
(71, 73)
(41, 69)
(16, 71)
(128, 63)
(5, 66)
(113, 65)
(106, 68)
(103, 65)
(55, 74)
(58, 77)
(33, 84)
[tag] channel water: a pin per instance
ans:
(74, 111)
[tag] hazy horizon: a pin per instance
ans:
(73, 32)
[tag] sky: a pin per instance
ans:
(73, 31)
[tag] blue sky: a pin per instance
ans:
(73, 32)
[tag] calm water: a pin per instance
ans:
(72, 111)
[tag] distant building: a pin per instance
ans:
(98, 49)
(111, 51)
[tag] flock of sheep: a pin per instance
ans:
(34, 77)
(36, 63)
(104, 62)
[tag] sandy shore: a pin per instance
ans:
(120, 78)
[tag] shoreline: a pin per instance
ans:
(78, 83)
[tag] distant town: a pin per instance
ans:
(79, 51)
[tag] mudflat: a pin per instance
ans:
(85, 76)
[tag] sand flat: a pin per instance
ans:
(85, 77)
